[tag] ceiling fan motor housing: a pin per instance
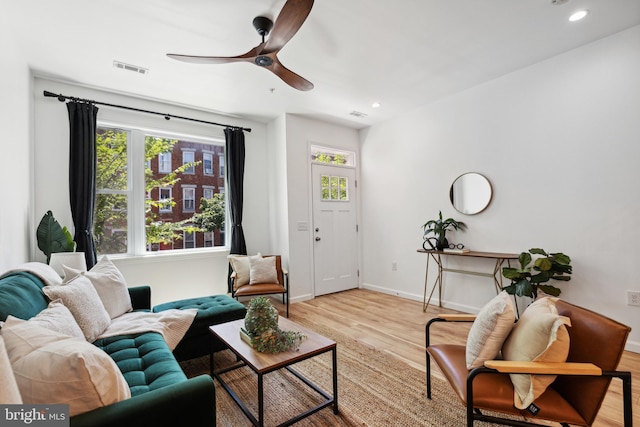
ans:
(263, 61)
(263, 25)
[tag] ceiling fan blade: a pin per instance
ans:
(289, 77)
(287, 24)
(246, 57)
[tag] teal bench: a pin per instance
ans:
(212, 310)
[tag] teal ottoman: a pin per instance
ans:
(212, 310)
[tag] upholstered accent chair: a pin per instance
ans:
(596, 344)
(259, 275)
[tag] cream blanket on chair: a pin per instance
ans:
(171, 324)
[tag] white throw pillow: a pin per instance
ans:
(540, 335)
(58, 318)
(109, 283)
(488, 332)
(240, 264)
(262, 270)
(51, 368)
(82, 300)
(9, 392)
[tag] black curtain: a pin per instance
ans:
(82, 175)
(234, 153)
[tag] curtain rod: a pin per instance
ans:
(63, 98)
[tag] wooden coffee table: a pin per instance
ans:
(263, 363)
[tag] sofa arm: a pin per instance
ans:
(190, 402)
(140, 297)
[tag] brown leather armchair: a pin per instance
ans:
(282, 287)
(574, 398)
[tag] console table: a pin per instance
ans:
(499, 259)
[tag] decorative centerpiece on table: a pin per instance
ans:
(439, 229)
(261, 329)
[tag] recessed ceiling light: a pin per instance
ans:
(376, 104)
(578, 15)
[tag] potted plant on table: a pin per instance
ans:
(533, 275)
(261, 329)
(439, 229)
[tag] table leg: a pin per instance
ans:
(335, 380)
(437, 282)
(260, 401)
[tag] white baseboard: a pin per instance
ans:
(301, 298)
(417, 297)
(633, 346)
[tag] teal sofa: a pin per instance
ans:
(161, 394)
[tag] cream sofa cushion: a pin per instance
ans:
(540, 335)
(82, 300)
(262, 270)
(52, 368)
(9, 392)
(240, 265)
(58, 318)
(493, 324)
(109, 283)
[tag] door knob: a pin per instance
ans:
(317, 229)
(317, 239)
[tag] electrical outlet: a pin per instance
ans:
(633, 298)
(394, 265)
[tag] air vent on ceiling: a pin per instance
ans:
(129, 67)
(358, 114)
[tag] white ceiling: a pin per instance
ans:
(402, 53)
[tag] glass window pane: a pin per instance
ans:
(110, 224)
(111, 153)
(343, 188)
(334, 188)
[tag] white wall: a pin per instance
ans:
(171, 278)
(15, 173)
(300, 133)
(559, 142)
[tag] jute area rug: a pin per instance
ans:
(374, 389)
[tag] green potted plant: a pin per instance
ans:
(534, 274)
(261, 329)
(52, 237)
(439, 229)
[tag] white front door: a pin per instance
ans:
(334, 229)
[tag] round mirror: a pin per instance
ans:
(470, 193)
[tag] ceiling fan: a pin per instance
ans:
(288, 22)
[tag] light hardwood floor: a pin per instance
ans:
(395, 326)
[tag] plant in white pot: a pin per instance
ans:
(53, 238)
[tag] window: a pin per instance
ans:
(221, 163)
(189, 240)
(139, 208)
(334, 188)
(207, 192)
(332, 156)
(207, 163)
(208, 239)
(188, 199)
(188, 158)
(164, 200)
(164, 163)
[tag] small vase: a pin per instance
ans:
(442, 244)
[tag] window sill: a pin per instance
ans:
(161, 256)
